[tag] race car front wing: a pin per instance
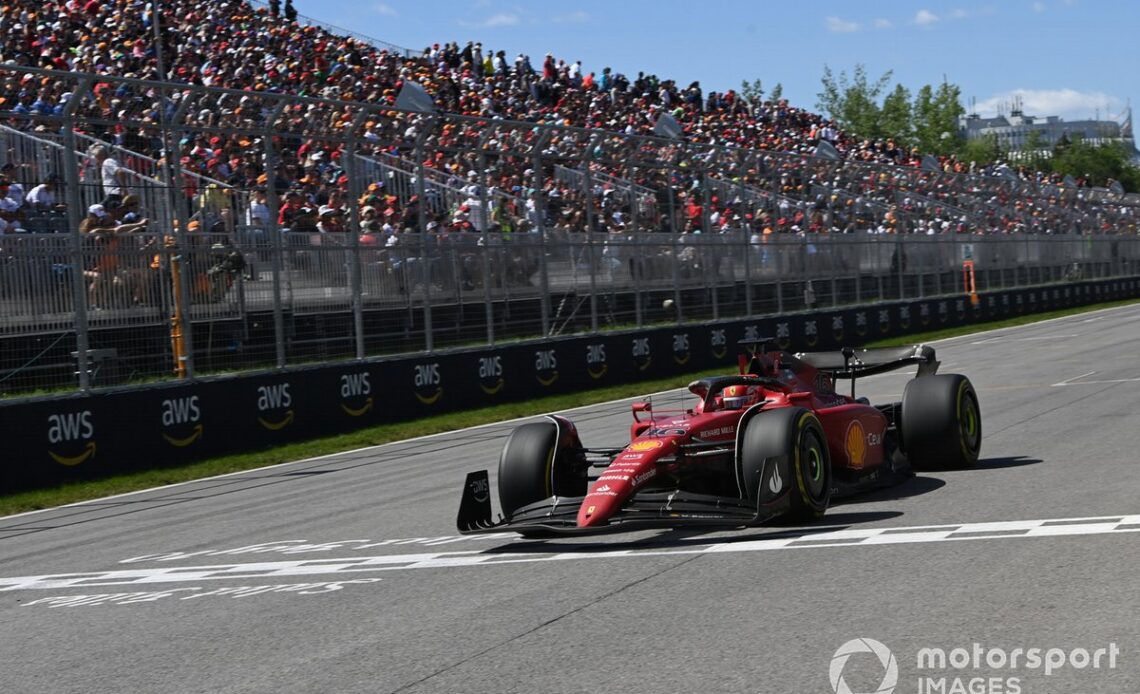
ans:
(557, 515)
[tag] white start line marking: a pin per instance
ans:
(808, 539)
(1078, 380)
(194, 593)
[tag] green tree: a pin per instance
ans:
(754, 92)
(983, 150)
(777, 92)
(853, 102)
(895, 118)
(936, 116)
(1097, 164)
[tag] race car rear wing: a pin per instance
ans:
(858, 363)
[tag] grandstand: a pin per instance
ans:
(281, 186)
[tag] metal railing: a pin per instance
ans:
(537, 252)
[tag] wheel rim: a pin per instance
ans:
(812, 463)
(969, 423)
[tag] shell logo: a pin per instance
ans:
(855, 442)
(644, 446)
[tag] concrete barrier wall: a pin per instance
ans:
(52, 440)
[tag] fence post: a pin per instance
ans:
(421, 190)
(275, 233)
(352, 170)
(182, 296)
(485, 213)
(540, 224)
(588, 199)
(78, 281)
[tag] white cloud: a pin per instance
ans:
(578, 17)
(883, 23)
(1069, 104)
(1038, 6)
(925, 18)
(502, 19)
(384, 9)
(837, 25)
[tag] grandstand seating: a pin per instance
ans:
(877, 187)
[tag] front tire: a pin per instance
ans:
(941, 422)
(785, 451)
(534, 467)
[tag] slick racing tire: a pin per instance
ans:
(533, 468)
(941, 422)
(785, 451)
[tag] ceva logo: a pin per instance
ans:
(72, 435)
(546, 366)
(428, 383)
(276, 401)
(355, 393)
(181, 421)
(491, 379)
(596, 361)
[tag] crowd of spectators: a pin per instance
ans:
(874, 186)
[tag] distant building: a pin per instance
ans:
(1013, 132)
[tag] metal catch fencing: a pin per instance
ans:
(558, 231)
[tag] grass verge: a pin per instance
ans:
(386, 433)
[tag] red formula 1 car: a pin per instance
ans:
(774, 441)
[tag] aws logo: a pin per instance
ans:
(181, 421)
(837, 327)
(642, 354)
(751, 333)
(491, 374)
(718, 344)
(904, 316)
(275, 401)
(943, 312)
(884, 321)
(783, 335)
(546, 366)
(596, 361)
(960, 308)
(681, 349)
(924, 314)
(428, 383)
(72, 436)
(811, 333)
(861, 323)
(356, 394)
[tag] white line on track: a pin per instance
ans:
(805, 539)
(1076, 381)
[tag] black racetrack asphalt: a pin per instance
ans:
(345, 573)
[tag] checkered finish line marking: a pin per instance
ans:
(806, 539)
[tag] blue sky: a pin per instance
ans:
(1072, 58)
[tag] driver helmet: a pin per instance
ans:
(736, 397)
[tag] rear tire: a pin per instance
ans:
(532, 467)
(792, 441)
(941, 422)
